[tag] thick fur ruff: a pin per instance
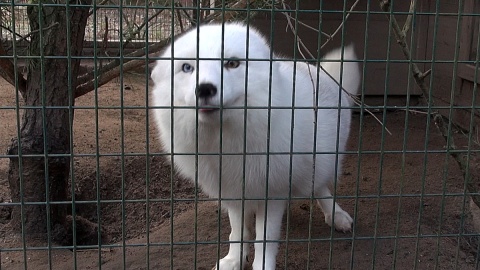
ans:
(252, 144)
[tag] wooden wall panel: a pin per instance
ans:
(375, 36)
(468, 73)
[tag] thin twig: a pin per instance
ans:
(35, 31)
(103, 2)
(140, 27)
(301, 45)
(414, 111)
(442, 123)
(105, 39)
(357, 101)
(408, 21)
(179, 17)
(226, 16)
(7, 71)
(341, 24)
(11, 31)
(306, 25)
(425, 74)
(86, 82)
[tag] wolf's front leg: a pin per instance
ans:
(235, 259)
(267, 229)
(334, 214)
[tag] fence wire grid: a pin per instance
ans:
(86, 184)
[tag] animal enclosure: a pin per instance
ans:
(412, 200)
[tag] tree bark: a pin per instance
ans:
(40, 162)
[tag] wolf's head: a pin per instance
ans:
(213, 67)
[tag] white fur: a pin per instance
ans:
(246, 171)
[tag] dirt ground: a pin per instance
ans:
(400, 220)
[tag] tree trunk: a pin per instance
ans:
(40, 163)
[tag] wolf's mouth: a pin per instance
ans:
(208, 110)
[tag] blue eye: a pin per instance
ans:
(187, 68)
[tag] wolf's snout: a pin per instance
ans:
(206, 90)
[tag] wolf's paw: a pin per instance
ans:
(228, 264)
(343, 221)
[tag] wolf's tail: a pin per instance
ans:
(351, 78)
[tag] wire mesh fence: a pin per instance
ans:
(107, 21)
(109, 169)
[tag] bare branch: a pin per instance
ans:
(185, 14)
(425, 74)
(341, 24)
(408, 21)
(442, 123)
(217, 16)
(306, 25)
(401, 40)
(38, 30)
(109, 75)
(7, 71)
(11, 31)
(103, 2)
(140, 27)
(88, 81)
(301, 45)
(179, 17)
(357, 101)
(105, 36)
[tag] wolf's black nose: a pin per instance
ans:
(206, 90)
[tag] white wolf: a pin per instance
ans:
(224, 110)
